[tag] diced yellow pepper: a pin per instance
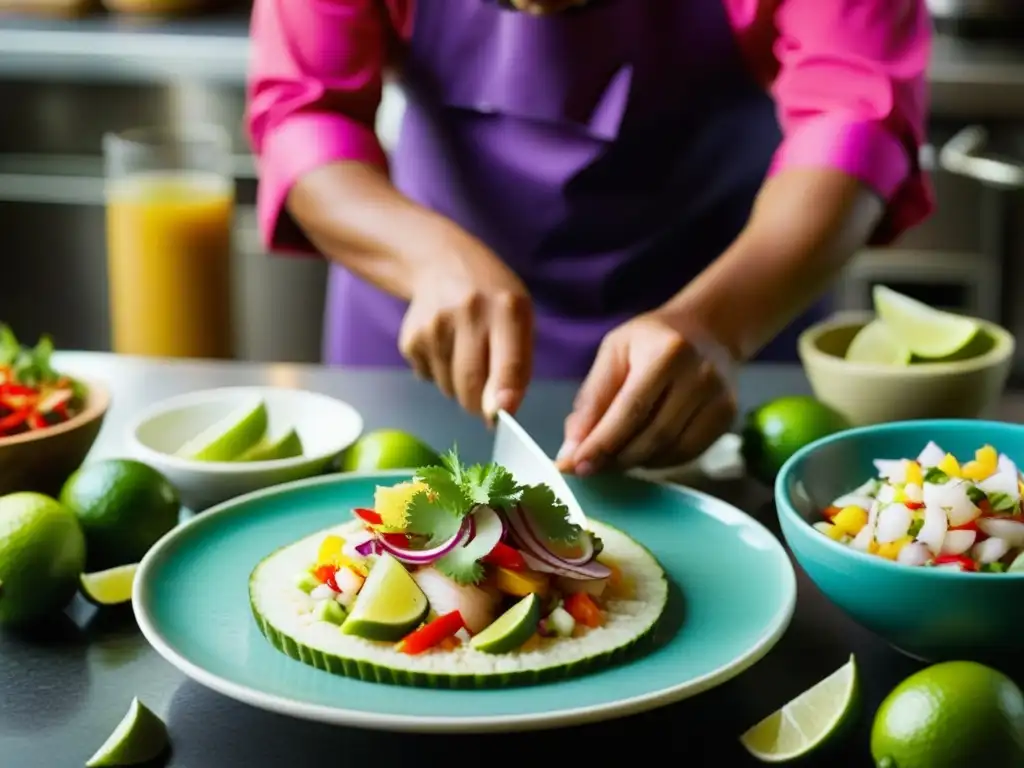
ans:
(891, 550)
(850, 520)
(914, 474)
(834, 532)
(1020, 487)
(950, 466)
(873, 547)
(330, 550)
(987, 457)
(521, 583)
(976, 471)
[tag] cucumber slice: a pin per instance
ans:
(389, 606)
(329, 611)
(510, 630)
(280, 610)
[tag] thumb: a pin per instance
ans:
(605, 379)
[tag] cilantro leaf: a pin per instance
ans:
(450, 461)
(460, 567)
(446, 491)
(426, 516)
(1002, 502)
(935, 476)
(9, 346)
(490, 484)
(549, 514)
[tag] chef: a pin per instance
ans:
(639, 193)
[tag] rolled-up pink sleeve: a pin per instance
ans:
(852, 95)
(315, 79)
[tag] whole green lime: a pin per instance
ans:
(956, 714)
(124, 507)
(42, 554)
(776, 430)
(388, 449)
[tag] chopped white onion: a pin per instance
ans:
(893, 523)
(1010, 530)
(952, 499)
(1001, 482)
(913, 492)
(869, 489)
(914, 553)
(933, 531)
(958, 542)
(322, 592)
(863, 539)
(990, 550)
(893, 470)
(822, 526)
(948, 567)
(931, 456)
(1006, 465)
(887, 494)
(850, 500)
(352, 544)
(348, 580)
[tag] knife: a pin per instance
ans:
(515, 450)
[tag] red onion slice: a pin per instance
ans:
(522, 517)
(531, 545)
(427, 556)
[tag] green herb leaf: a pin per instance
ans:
(446, 491)
(993, 568)
(461, 567)
(975, 494)
(915, 527)
(549, 514)
(9, 346)
(490, 484)
(935, 476)
(426, 516)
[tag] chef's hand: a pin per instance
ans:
(469, 328)
(653, 398)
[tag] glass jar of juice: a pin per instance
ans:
(170, 204)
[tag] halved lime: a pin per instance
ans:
(388, 449)
(230, 437)
(875, 343)
(110, 587)
(927, 332)
(807, 721)
(140, 737)
(390, 604)
(286, 446)
(510, 630)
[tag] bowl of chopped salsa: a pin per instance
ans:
(48, 419)
(916, 530)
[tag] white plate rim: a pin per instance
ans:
(354, 718)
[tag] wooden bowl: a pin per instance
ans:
(43, 459)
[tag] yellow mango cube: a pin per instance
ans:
(950, 465)
(987, 457)
(521, 583)
(850, 520)
(834, 532)
(873, 547)
(891, 550)
(391, 503)
(330, 551)
(913, 473)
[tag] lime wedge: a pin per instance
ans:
(287, 446)
(510, 630)
(230, 437)
(140, 737)
(875, 343)
(807, 721)
(110, 587)
(1017, 565)
(927, 332)
(390, 604)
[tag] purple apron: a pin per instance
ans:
(607, 155)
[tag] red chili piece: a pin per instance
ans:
(15, 420)
(913, 504)
(325, 573)
(433, 634)
(965, 563)
(367, 515)
(505, 556)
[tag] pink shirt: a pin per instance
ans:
(848, 78)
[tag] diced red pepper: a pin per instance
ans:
(326, 573)
(36, 420)
(913, 504)
(367, 515)
(583, 609)
(15, 420)
(831, 512)
(986, 508)
(968, 526)
(505, 556)
(432, 634)
(965, 563)
(11, 389)
(396, 539)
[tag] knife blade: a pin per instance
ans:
(519, 453)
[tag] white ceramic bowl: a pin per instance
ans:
(325, 425)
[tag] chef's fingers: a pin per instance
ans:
(630, 410)
(710, 422)
(469, 364)
(689, 388)
(411, 346)
(438, 339)
(510, 364)
(605, 378)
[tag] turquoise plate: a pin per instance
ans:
(733, 597)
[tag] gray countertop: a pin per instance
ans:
(66, 685)
(967, 78)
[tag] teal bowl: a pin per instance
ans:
(929, 613)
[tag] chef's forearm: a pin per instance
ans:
(353, 215)
(805, 226)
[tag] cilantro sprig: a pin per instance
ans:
(31, 365)
(453, 490)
